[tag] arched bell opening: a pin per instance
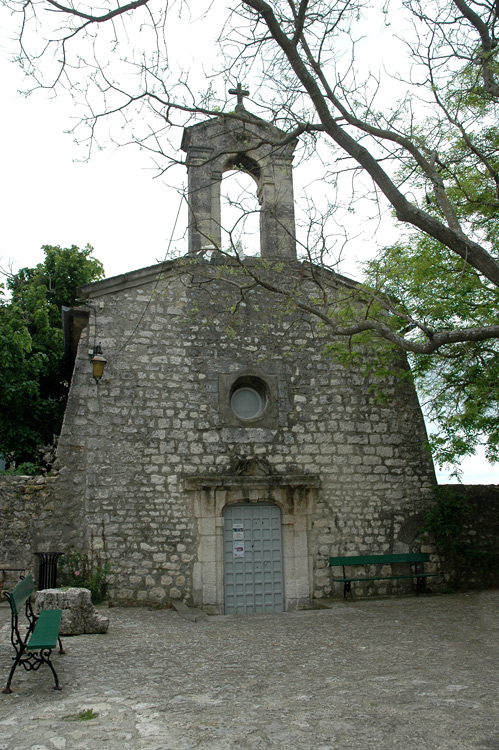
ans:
(239, 207)
(243, 163)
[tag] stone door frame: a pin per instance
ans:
(294, 495)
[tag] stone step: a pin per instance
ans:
(189, 613)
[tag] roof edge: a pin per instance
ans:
(124, 281)
(133, 279)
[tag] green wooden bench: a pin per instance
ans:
(415, 570)
(42, 632)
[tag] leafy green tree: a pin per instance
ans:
(422, 279)
(34, 378)
(459, 383)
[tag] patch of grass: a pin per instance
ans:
(85, 715)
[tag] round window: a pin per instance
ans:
(247, 403)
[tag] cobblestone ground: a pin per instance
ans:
(403, 673)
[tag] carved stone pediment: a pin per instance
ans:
(252, 466)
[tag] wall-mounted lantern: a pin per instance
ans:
(98, 363)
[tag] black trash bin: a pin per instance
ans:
(47, 569)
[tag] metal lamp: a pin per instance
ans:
(98, 363)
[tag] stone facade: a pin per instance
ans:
(33, 520)
(155, 453)
(151, 457)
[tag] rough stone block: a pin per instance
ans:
(78, 613)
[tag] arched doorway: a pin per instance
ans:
(253, 558)
(294, 495)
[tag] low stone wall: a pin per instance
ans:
(18, 508)
(480, 537)
(78, 613)
(32, 520)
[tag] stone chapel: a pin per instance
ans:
(224, 456)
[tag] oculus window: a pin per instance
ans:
(247, 403)
(247, 399)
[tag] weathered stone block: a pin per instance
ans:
(78, 613)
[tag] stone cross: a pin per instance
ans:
(240, 93)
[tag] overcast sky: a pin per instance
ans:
(48, 197)
(112, 202)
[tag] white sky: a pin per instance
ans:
(113, 202)
(47, 197)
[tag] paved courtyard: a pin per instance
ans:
(404, 673)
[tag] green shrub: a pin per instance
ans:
(85, 571)
(25, 469)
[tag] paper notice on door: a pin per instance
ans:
(239, 549)
(237, 532)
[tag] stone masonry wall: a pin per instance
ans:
(129, 442)
(32, 520)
